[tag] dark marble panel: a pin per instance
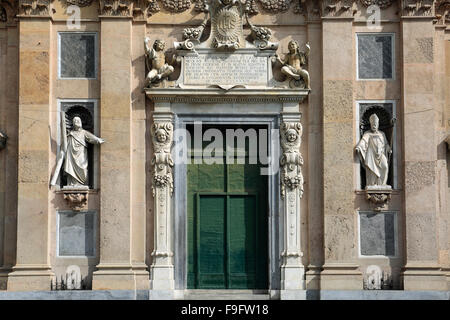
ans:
(78, 56)
(377, 232)
(76, 234)
(374, 56)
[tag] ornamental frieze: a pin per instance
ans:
(380, 3)
(420, 8)
(34, 7)
(80, 3)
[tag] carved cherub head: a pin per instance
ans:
(291, 135)
(374, 122)
(159, 45)
(161, 135)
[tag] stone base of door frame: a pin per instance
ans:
(424, 278)
(30, 278)
(120, 277)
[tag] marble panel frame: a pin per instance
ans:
(94, 234)
(96, 52)
(395, 213)
(393, 55)
(187, 114)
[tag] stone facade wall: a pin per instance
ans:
(31, 89)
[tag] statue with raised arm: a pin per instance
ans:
(74, 154)
(374, 152)
(3, 139)
(294, 61)
(156, 62)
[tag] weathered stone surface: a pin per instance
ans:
(337, 100)
(421, 244)
(419, 174)
(374, 56)
(377, 234)
(340, 242)
(76, 234)
(420, 51)
(78, 55)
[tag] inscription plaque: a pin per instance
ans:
(225, 69)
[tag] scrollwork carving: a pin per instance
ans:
(162, 137)
(417, 7)
(291, 160)
(380, 3)
(34, 7)
(176, 5)
(80, 3)
(116, 7)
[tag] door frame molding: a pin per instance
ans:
(275, 221)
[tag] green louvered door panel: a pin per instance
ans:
(227, 227)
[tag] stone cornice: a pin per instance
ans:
(220, 96)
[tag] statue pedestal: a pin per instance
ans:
(379, 196)
(77, 197)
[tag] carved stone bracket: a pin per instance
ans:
(76, 198)
(34, 7)
(379, 198)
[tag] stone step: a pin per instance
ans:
(226, 295)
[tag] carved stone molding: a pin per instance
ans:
(275, 6)
(116, 8)
(80, 3)
(34, 7)
(419, 8)
(380, 3)
(177, 5)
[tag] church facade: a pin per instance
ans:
(275, 146)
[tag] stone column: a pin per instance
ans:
(116, 270)
(32, 270)
(422, 269)
(162, 268)
(340, 270)
(291, 187)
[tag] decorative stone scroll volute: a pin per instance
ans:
(292, 269)
(162, 269)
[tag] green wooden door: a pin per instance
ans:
(227, 226)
